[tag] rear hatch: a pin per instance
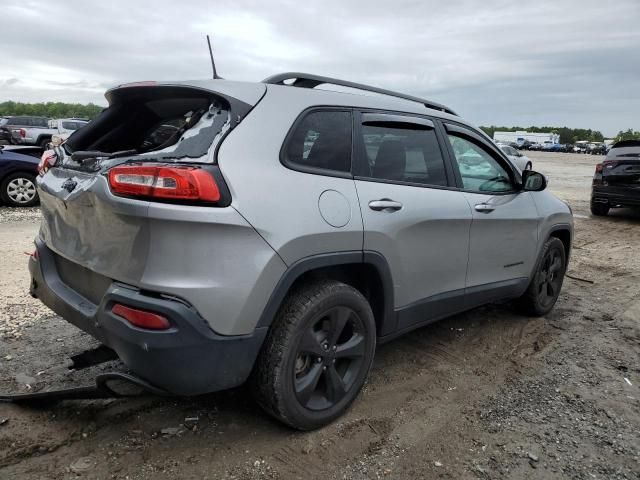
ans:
(103, 234)
(621, 169)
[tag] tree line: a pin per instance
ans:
(567, 135)
(50, 109)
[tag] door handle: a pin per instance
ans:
(384, 204)
(484, 208)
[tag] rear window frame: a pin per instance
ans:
(237, 110)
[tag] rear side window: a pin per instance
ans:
(322, 140)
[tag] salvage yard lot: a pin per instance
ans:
(486, 394)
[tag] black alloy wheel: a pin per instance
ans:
(329, 356)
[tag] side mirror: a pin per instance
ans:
(533, 181)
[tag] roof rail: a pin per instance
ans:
(306, 80)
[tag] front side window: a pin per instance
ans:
(480, 172)
(322, 140)
(403, 152)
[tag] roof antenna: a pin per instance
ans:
(213, 64)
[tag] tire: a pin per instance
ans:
(43, 143)
(599, 209)
(543, 290)
(19, 190)
(305, 350)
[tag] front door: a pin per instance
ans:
(504, 231)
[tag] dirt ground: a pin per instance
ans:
(487, 394)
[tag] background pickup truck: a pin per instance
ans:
(20, 130)
(41, 136)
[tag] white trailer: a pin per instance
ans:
(520, 136)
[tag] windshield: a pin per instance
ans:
(73, 125)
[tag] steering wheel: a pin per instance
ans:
(488, 185)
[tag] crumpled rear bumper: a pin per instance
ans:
(187, 359)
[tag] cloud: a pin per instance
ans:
(571, 62)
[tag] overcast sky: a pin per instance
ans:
(562, 62)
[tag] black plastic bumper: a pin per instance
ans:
(187, 359)
(614, 197)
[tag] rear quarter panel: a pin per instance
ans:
(283, 204)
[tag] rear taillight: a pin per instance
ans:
(22, 132)
(184, 183)
(599, 168)
(47, 161)
(141, 318)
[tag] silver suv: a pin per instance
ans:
(214, 232)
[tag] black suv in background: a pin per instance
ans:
(616, 182)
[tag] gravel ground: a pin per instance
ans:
(488, 394)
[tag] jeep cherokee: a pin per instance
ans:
(214, 232)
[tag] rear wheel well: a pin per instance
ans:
(363, 277)
(565, 237)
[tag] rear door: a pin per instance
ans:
(411, 213)
(504, 232)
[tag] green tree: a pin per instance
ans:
(50, 109)
(629, 134)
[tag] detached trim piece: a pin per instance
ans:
(307, 80)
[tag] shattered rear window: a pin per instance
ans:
(157, 124)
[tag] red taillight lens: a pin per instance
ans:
(141, 318)
(599, 168)
(23, 133)
(165, 182)
(47, 161)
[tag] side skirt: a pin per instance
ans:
(438, 307)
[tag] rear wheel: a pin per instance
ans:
(317, 355)
(19, 190)
(599, 209)
(544, 289)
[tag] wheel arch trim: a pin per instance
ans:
(315, 262)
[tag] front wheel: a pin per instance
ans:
(317, 355)
(544, 288)
(19, 190)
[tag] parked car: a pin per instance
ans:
(5, 133)
(524, 145)
(26, 130)
(518, 159)
(535, 146)
(566, 148)
(597, 149)
(37, 135)
(616, 182)
(551, 147)
(255, 243)
(580, 147)
(64, 127)
(18, 171)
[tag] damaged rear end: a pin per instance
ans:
(137, 226)
(617, 179)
